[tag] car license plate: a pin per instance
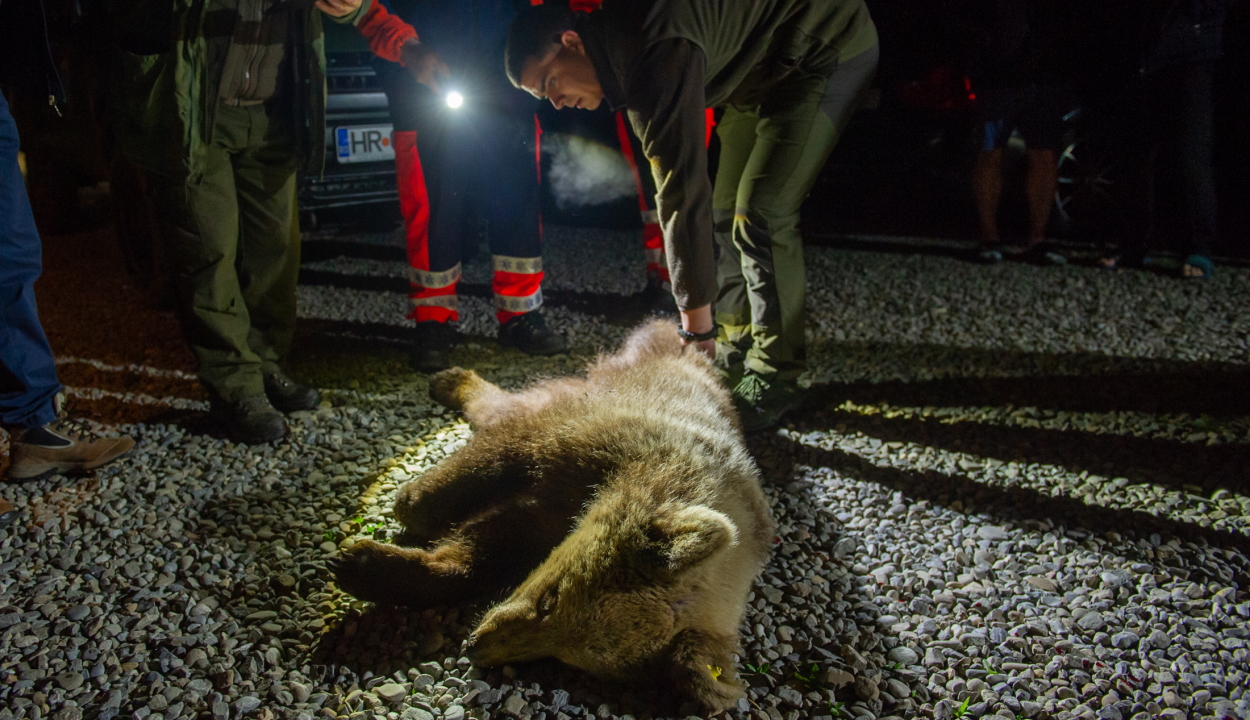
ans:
(363, 143)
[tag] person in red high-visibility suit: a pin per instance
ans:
(451, 161)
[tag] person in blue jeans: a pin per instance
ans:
(43, 439)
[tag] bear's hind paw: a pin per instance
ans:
(366, 571)
(446, 387)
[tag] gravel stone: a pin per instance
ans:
(514, 705)
(992, 532)
(903, 654)
(391, 692)
(69, 681)
(77, 612)
(790, 695)
(1091, 621)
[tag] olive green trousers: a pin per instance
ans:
(770, 157)
(232, 240)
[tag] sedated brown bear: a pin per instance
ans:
(622, 509)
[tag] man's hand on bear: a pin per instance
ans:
(699, 320)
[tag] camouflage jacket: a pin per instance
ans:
(168, 76)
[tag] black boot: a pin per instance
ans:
(288, 396)
(432, 345)
(529, 334)
(252, 420)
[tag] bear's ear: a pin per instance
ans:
(690, 535)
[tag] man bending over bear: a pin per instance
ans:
(789, 74)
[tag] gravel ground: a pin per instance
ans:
(1016, 491)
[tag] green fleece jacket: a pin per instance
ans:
(169, 78)
(667, 60)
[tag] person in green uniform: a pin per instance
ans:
(221, 101)
(789, 74)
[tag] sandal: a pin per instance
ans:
(1198, 262)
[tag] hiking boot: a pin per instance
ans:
(529, 334)
(432, 345)
(762, 399)
(62, 446)
(288, 396)
(252, 420)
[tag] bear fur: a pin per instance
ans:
(621, 509)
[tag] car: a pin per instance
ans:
(359, 166)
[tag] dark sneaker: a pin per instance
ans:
(62, 446)
(529, 334)
(432, 345)
(762, 399)
(288, 396)
(990, 253)
(252, 420)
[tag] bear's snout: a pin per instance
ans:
(509, 633)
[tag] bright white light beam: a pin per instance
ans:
(454, 100)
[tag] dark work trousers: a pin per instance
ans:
(452, 164)
(1177, 121)
(233, 243)
(770, 158)
(28, 383)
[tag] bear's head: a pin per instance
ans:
(621, 599)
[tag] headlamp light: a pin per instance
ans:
(454, 99)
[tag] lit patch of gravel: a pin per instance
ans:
(938, 555)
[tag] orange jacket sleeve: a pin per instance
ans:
(385, 32)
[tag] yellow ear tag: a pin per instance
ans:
(715, 671)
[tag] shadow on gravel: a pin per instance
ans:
(1015, 503)
(1128, 386)
(1180, 465)
(1072, 381)
(1210, 394)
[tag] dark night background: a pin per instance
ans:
(902, 168)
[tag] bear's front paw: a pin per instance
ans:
(414, 516)
(361, 571)
(714, 686)
(445, 387)
(703, 669)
